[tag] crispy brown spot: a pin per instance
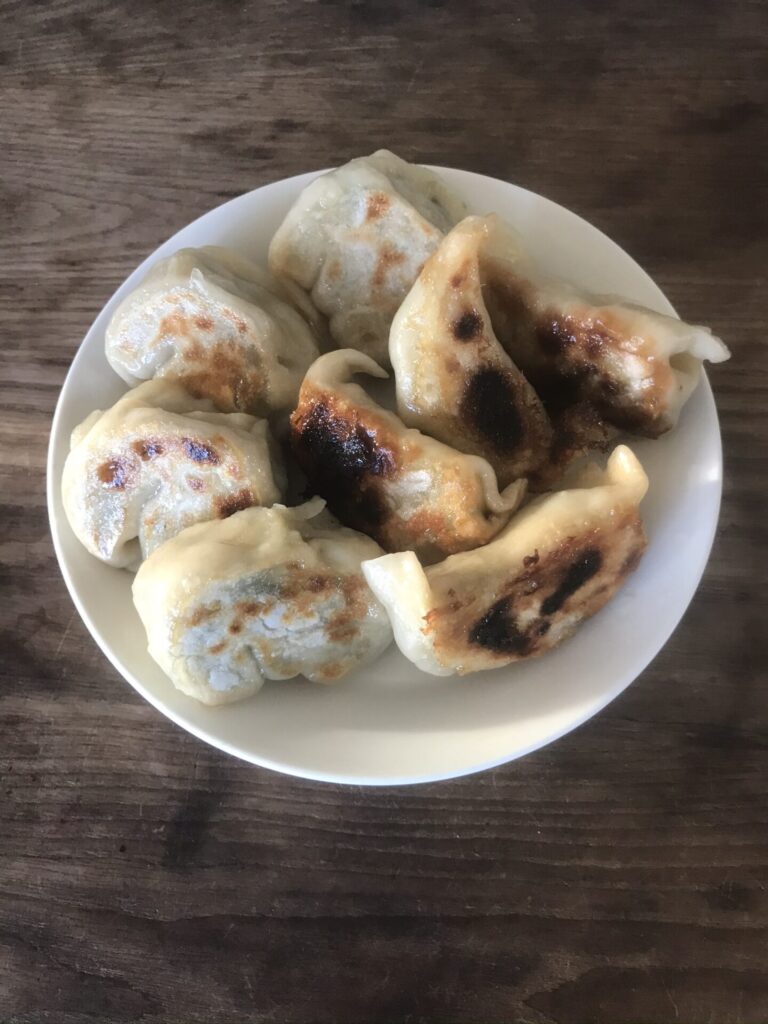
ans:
(376, 204)
(343, 628)
(489, 405)
(530, 560)
(235, 627)
(200, 451)
(202, 614)
(217, 648)
(232, 503)
(457, 280)
(468, 325)
(250, 607)
(332, 671)
(175, 324)
(147, 450)
(195, 483)
(224, 374)
(315, 584)
(389, 257)
(115, 474)
(232, 316)
(204, 322)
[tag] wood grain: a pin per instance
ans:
(619, 876)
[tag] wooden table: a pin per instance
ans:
(618, 876)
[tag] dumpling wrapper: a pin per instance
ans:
(599, 364)
(217, 324)
(157, 462)
(557, 563)
(454, 380)
(356, 239)
(270, 593)
(405, 489)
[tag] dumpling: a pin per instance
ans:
(454, 380)
(599, 365)
(269, 593)
(356, 239)
(158, 461)
(217, 324)
(397, 485)
(558, 562)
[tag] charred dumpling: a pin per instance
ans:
(219, 325)
(557, 562)
(598, 364)
(356, 239)
(158, 461)
(405, 489)
(270, 593)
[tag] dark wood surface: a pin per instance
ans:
(618, 876)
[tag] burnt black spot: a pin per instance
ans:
(234, 503)
(199, 451)
(114, 474)
(581, 571)
(543, 628)
(489, 406)
(468, 326)
(498, 631)
(343, 462)
(554, 337)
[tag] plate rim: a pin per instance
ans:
(339, 778)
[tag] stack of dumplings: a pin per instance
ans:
(287, 512)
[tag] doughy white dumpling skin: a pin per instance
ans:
(267, 594)
(157, 462)
(558, 562)
(599, 364)
(454, 379)
(405, 489)
(356, 239)
(219, 325)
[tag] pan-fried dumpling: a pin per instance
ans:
(397, 485)
(356, 239)
(558, 562)
(158, 461)
(454, 379)
(270, 593)
(599, 364)
(219, 325)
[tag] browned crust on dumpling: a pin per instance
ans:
(353, 457)
(488, 407)
(567, 358)
(541, 601)
(298, 594)
(122, 468)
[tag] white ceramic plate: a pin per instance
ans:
(391, 724)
